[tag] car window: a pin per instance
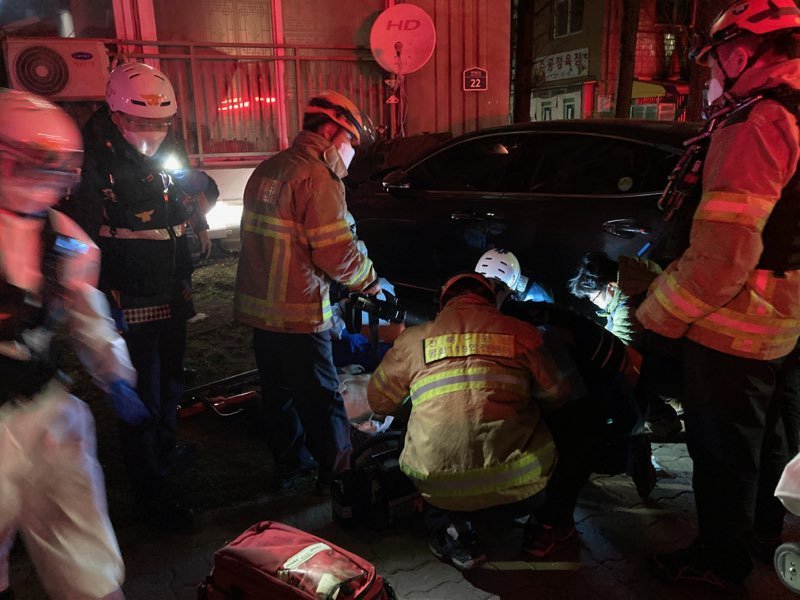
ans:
(478, 165)
(565, 163)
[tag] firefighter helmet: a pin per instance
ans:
(467, 283)
(758, 17)
(139, 90)
(501, 265)
(41, 152)
(343, 112)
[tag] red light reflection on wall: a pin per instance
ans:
(240, 103)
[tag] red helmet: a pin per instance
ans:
(755, 16)
(466, 282)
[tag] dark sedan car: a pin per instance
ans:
(549, 191)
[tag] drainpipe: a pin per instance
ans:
(587, 104)
(280, 85)
(136, 20)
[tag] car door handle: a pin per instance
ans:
(473, 216)
(624, 228)
(465, 216)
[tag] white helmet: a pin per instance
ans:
(41, 152)
(502, 265)
(139, 90)
(144, 103)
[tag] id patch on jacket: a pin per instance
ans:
(457, 345)
(269, 190)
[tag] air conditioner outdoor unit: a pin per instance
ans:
(57, 68)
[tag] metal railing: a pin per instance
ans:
(243, 102)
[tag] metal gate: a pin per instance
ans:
(243, 102)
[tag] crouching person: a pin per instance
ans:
(478, 381)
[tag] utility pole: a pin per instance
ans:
(627, 58)
(704, 12)
(523, 56)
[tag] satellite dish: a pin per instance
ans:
(402, 38)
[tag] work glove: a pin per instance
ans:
(126, 404)
(373, 289)
(356, 341)
(120, 324)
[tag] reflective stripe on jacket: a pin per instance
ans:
(295, 239)
(714, 294)
(477, 379)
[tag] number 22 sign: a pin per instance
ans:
(476, 80)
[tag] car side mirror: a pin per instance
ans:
(625, 228)
(396, 181)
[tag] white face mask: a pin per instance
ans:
(347, 152)
(714, 92)
(145, 142)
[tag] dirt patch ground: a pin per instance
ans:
(234, 464)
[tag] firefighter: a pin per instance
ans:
(617, 288)
(295, 242)
(129, 204)
(733, 296)
(478, 383)
(51, 484)
(597, 430)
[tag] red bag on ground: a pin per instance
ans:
(278, 562)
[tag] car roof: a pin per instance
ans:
(662, 133)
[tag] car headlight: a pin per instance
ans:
(224, 215)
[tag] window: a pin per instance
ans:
(478, 165)
(673, 12)
(568, 17)
(595, 165)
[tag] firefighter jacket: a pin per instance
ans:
(295, 240)
(715, 294)
(478, 381)
(130, 207)
(633, 279)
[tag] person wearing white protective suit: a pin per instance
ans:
(51, 484)
(129, 204)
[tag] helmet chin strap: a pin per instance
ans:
(731, 81)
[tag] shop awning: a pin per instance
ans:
(653, 89)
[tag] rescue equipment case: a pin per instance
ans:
(276, 561)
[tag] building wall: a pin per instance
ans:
(469, 33)
(313, 22)
(601, 34)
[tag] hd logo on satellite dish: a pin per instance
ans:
(403, 25)
(82, 55)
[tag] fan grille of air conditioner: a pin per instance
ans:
(41, 70)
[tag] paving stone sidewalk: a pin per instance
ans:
(617, 532)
